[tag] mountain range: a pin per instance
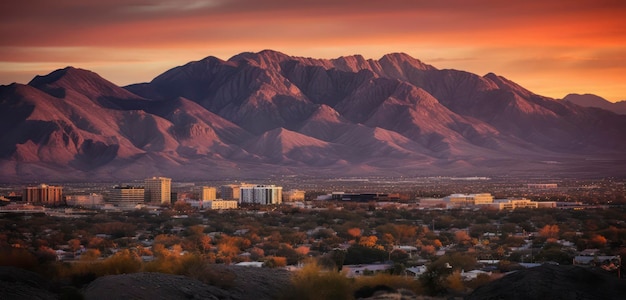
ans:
(267, 113)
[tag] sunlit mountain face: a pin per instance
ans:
(269, 113)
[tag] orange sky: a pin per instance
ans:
(550, 47)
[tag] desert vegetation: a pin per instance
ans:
(319, 241)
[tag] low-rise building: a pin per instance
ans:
(367, 269)
(542, 185)
(220, 204)
(92, 200)
(212, 204)
(293, 195)
(464, 200)
(511, 204)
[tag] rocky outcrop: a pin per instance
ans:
(16, 284)
(152, 286)
(553, 282)
(243, 283)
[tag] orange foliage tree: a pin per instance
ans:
(549, 232)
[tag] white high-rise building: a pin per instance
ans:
(261, 194)
(158, 190)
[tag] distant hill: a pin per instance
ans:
(267, 113)
(590, 100)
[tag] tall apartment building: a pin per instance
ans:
(208, 193)
(261, 194)
(44, 194)
(127, 196)
(158, 190)
(230, 192)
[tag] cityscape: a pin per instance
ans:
(312, 150)
(160, 225)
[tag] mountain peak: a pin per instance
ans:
(506, 84)
(69, 73)
(84, 82)
(263, 59)
(398, 58)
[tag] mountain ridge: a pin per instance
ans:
(269, 113)
(590, 100)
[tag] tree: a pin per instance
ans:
(122, 262)
(90, 255)
(275, 262)
(462, 238)
(354, 232)
(436, 275)
(256, 253)
(597, 241)
(358, 254)
(549, 232)
(311, 283)
(454, 282)
(406, 233)
(368, 241)
(74, 245)
(182, 207)
(428, 250)
(204, 243)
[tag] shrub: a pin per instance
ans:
(212, 275)
(392, 281)
(311, 283)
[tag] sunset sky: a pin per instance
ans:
(550, 47)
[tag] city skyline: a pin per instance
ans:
(552, 48)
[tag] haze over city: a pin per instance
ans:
(553, 48)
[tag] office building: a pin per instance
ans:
(261, 194)
(230, 192)
(44, 194)
(208, 193)
(127, 196)
(461, 200)
(158, 190)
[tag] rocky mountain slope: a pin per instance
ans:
(267, 113)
